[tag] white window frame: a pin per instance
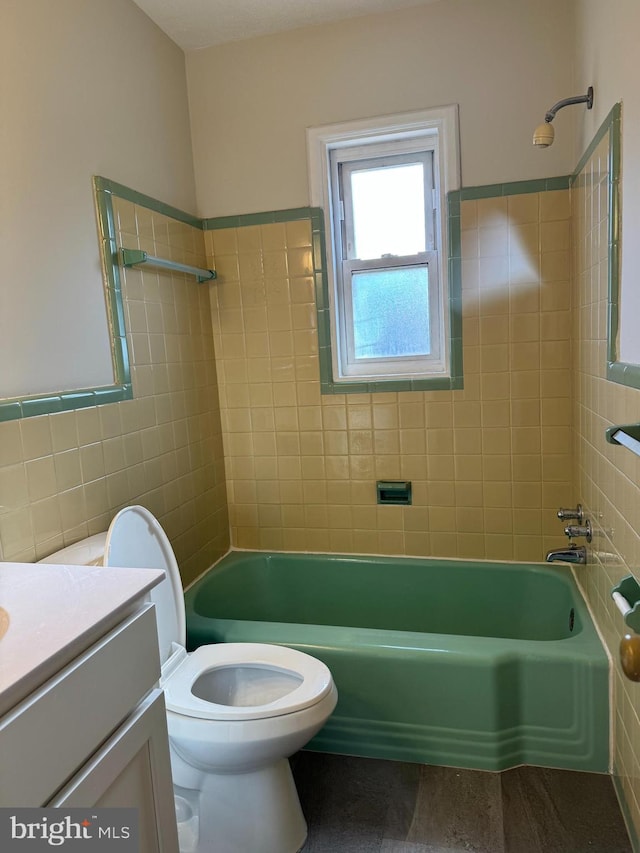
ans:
(433, 130)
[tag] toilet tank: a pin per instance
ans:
(86, 552)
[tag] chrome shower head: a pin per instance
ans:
(544, 134)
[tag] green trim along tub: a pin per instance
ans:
(467, 664)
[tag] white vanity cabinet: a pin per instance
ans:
(94, 732)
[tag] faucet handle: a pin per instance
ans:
(572, 530)
(568, 514)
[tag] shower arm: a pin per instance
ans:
(566, 102)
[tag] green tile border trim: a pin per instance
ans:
(113, 285)
(291, 214)
(27, 407)
(66, 401)
(538, 185)
(615, 115)
(126, 193)
(624, 373)
(618, 371)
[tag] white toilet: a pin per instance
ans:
(235, 711)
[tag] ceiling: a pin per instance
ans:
(195, 24)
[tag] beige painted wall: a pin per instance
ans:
(505, 62)
(607, 58)
(86, 88)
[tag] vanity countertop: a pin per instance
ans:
(54, 612)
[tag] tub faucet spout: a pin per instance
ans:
(572, 554)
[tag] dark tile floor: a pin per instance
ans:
(362, 805)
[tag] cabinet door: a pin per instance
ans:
(48, 736)
(132, 769)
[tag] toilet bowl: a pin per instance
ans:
(235, 711)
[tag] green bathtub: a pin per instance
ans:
(467, 664)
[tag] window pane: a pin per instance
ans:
(388, 211)
(391, 312)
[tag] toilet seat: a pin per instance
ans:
(316, 681)
(135, 539)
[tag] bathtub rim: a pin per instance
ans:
(588, 634)
(541, 564)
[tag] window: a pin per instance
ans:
(386, 263)
(382, 185)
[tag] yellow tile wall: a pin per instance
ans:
(64, 476)
(489, 464)
(607, 477)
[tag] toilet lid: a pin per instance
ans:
(310, 680)
(135, 540)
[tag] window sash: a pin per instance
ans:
(398, 367)
(346, 170)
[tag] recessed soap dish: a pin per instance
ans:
(394, 492)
